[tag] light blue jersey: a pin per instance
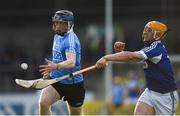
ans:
(118, 92)
(61, 45)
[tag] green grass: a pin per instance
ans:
(92, 108)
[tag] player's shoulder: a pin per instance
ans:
(153, 45)
(73, 36)
(70, 33)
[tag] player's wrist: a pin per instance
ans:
(58, 66)
(105, 58)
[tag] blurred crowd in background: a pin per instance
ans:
(26, 36)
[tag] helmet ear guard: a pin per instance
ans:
(157, 35)
(70, 25)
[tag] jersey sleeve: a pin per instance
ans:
(151, 51)
(70, 44)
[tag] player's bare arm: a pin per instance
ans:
(124, 56)
(118, 47)
(67, 64)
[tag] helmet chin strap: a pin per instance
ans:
(69, 25)
(151, 41)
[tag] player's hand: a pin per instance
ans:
(46, 69)
(101, 63)
(119, 46)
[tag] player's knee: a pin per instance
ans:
(143, 109)
(43, 103)
(137, 112)
(138, 109)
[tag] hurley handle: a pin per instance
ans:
(84, 70)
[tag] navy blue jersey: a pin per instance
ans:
(157, 67)
(61, 45)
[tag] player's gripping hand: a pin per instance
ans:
(48, 68)
(119, 46)
(101, 63)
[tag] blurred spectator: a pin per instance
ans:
(177, 77)
(133, 89)
(118, 92)
(93, 43)
(132, 41)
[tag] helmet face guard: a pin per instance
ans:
(64, 16)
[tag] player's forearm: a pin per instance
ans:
(66, 65)
(124, 56)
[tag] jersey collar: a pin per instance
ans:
(149, 43)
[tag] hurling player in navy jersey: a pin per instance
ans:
(160, 96)
(66, 56)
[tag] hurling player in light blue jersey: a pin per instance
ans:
(160, 97)
(66, 58)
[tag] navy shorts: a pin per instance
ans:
(73, 93)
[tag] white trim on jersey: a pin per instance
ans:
(142, 53)
(152, 46)
(71, 41)
(156, 59)
(71, 30)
